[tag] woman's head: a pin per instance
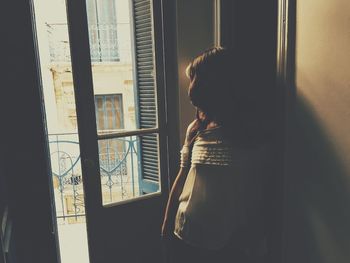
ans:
(223, 87)
(212, 82)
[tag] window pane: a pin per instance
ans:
(109, 114)
(99, 113)
(122, 57)
(123, 62)
(129, 167)
(64, 152)
(117, 103)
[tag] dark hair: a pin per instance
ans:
(209, 81)
(219, 87)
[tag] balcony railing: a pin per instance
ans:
(118, 170)
(103, 43)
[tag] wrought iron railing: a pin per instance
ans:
(102, 38)
(118, 170)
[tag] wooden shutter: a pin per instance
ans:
(145, 88)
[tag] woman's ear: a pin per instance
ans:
(201, 115)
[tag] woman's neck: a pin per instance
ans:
(212, 124)
(206, 120)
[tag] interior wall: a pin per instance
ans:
(195, 34)
(251, 28)
(317, 215)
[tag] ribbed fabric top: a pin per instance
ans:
(209, 148)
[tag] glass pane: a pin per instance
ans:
(109, 114)
(122, 65)
(129, 167)
(58, 93)
(99, 113)
(122, 57)
(118, 111)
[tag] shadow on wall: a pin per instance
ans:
(318, 196)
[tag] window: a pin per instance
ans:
(109, 112)
(124, 87)
(128, 141)
(102, 30)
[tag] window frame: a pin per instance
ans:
(85, 105)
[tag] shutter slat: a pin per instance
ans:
(150, 145)
(151, 172)
(148, 124)
(144, 26)
(145, 60)
(147, 91)
(150, 165)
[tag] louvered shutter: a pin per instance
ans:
(145, 87)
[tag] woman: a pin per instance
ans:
(215, 207)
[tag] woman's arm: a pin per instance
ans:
(173, 202)
(176, 190)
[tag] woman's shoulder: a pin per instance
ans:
(211, 132)
(211, 136)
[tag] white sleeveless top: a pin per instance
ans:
(222, 188)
